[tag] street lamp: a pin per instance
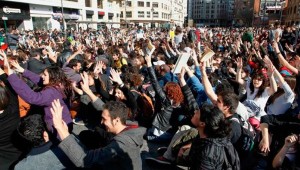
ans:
(63, 18)
(152, 10)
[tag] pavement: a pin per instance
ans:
(148, 150)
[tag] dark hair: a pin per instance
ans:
(4, 98)
(32, 128)
(73, 63)
(36, 52)
(264, 84)
(117, 109)
(224, 85)
(230, 99)
(58, 80)
(215, 124)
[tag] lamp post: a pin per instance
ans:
(152, 10)
(63, 18)
(125, 18)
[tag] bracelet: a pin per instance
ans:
(278, 53)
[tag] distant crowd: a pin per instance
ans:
(215, 98)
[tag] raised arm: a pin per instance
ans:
(273, 85)
(282, 60)
(159, 91)
(207, 85)
(239, 71)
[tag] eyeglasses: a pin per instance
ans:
(258, 79)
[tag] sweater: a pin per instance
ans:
(123, 152)
(43, 98)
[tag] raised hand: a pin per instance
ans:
(56, 111)
(98, 68)
(85, 82)
(17, 66)
(239, 62)
(115, 77)
(7, 68)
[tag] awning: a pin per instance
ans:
(89, 12)
(101, 13)
(71, 16)
(57, 15)
(110, 14)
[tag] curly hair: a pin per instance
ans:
(32, 128)
(173, 92)
(58, 80)
(259, 75)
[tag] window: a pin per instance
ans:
(155, 5)
(128, 14)
(129, 3)
(141, 14)
(141, 4)
(100, 4)
(121, 15)
(100, 16)
(88, 3)
(148, 4)
(148, 14)
(155, 15)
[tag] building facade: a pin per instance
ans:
(268, 12)
(292, 12)
(50, 14)
(212, 12)
(152, 13)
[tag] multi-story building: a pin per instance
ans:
(152, 12)
(268, 12)
(292, 12)
(212, 12)
(243, 12)
(47, 14)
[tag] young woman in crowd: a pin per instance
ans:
(55, 86)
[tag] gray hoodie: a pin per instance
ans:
(123, 152)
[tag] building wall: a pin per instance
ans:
(212, 12)
(42, 11)
(145, 12)
(292, 12)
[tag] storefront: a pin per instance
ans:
(15, 13)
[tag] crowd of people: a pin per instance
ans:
(235, 109)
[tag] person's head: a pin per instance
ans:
(4, 97)
(258, 81)
(32, 128)
(114, 116)
(174, 93)
(36, 53)
(227, 102)
(75, 65)
(54, 76)
(116, 55)
(118, 93)
(138, 61)
(211, 121)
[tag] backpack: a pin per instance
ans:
(245, 143)
(192, 36)
(145, 109)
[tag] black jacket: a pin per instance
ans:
(166, 116)
(9, 121)
(212, 153)
(37, 66)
